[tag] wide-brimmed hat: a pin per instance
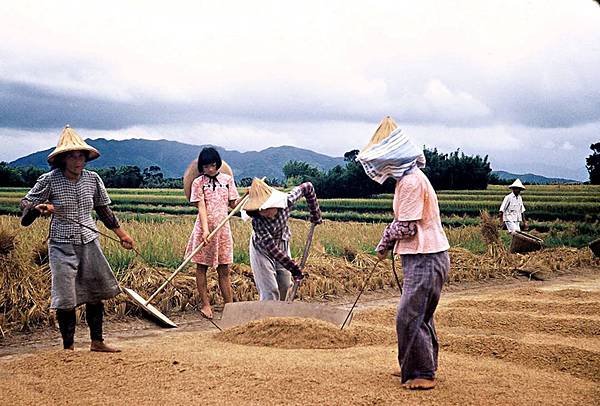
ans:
(517, 184)
(263, 196)
(384, 130)
(71, 141)
(192, 173)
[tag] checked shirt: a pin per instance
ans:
(269, 232)
(71, 200)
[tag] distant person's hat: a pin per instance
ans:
(192, 173)
(263, 196)
(517, 184)
(71, 141)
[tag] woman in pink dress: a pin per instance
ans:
(214, 192)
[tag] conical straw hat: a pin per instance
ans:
(517, 184)
(192, 173)
(71, 141)
(263, 196)
(384, 130)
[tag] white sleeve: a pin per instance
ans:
(504, 203)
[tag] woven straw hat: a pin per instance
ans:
(71, 141)
(517, 184)
(192, 173)
(384, 130)
(263, 196)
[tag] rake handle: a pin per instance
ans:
(292, 293)
(199, 247)
(360, 293)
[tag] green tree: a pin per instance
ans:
(593, 164)
(30, 175)
(152, 177)
(9, 176)
(296, 172)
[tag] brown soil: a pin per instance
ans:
(509, 345)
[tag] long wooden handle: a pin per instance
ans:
(199, 247)
(309, 239)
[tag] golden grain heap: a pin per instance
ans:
(289, 332)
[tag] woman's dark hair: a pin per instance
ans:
(59, 160)
(207, 156)
(253, 213)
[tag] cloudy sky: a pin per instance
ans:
(516, 80)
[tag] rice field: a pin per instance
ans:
(341, 256)
(568, 214)
(543, 203)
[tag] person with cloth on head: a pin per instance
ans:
(213, 192)
(80, 272)
(512, 208)
(270, 255)
(416, 234)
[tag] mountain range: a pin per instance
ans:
(173, 158)
(532, 178)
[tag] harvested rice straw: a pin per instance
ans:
(7, 241)
(490, 234)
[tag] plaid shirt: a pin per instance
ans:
(269, 232)
(72, 200)
(396, 230)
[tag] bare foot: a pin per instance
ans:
(420, 384)
(99, 346)
(206, 311)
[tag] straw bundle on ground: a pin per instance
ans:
(489, 229)
(7, 242)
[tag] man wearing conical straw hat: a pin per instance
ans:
(512, 208)
(80, 272)
(416, 234)
(270, 255)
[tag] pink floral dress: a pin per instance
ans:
(216, 193)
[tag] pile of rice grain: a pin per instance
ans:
(289, 332)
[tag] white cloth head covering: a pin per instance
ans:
(391, 156)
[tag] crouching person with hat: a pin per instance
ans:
(512, 208)
(80, 272)
(417, 236)
(270, 255)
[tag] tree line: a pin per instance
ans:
(453, 170)
(445, 171)
(128, 176)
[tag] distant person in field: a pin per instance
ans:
(213, 192)
(416, 234)
(512, 208)
(80, 272)
(270, 255)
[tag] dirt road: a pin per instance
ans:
(520, 343)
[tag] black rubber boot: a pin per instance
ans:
(93, 315)
(66, 323)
